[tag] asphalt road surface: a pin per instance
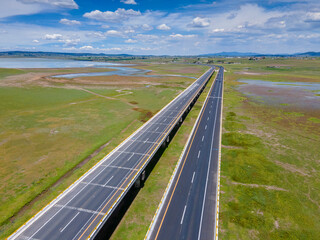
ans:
(80, 211)
(189, 207)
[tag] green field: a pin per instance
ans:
(270, 187)
(48, 132)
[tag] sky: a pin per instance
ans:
(160, 27)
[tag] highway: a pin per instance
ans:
(189, 207)
(82, 209)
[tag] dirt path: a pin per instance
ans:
(97, 94)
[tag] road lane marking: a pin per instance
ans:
(79, 209)
(202, 138)
(130, 157)
(193, 177)
(184, 211)
(132, 169)
(142, 154)
(102, 185)
(199, 153)
(108, 181)
(207, 118)
(69, 222)
(27, 238)
(136, 140)
(205, 127)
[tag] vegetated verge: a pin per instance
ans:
(270, 167)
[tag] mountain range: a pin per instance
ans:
(220, 54)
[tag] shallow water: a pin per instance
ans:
(117, 69)
(120, 71)
(50, 63)
(286, 94)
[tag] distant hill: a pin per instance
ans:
(309, 54)
(88, 55)
(55, 54)
(251, 54)
(229, 54)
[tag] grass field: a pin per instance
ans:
(48, 132)
(270, 187)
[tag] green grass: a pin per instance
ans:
(4, 72)
(137, 219)
(313, 119)
(45, 136)
(269, 171)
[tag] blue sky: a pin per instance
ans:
(175, 27)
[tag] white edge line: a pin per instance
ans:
(164, 197)
(219, 166)
(55, 200)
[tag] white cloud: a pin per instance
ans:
(70, 42)
(146, 27)
(96, 35)
(200, 22)
(54, 36)
(55, 3)
(69, 22)
(87, 48)
(119, 14)
(247, 16)
(180, 36)
(217, 30)
(130, 41)
(129, 31)
(132, 2)
(146, 49)
(114, 33)
(70, 49)
(163, 27)
(35, 41)
(146, 37)
(25, 7)
(313, 16)
(105, 26)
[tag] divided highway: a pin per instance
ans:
(189, 207)
(82, 209)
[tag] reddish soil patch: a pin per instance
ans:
(145, 114)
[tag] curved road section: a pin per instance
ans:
(189, 207)
(80, 211)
